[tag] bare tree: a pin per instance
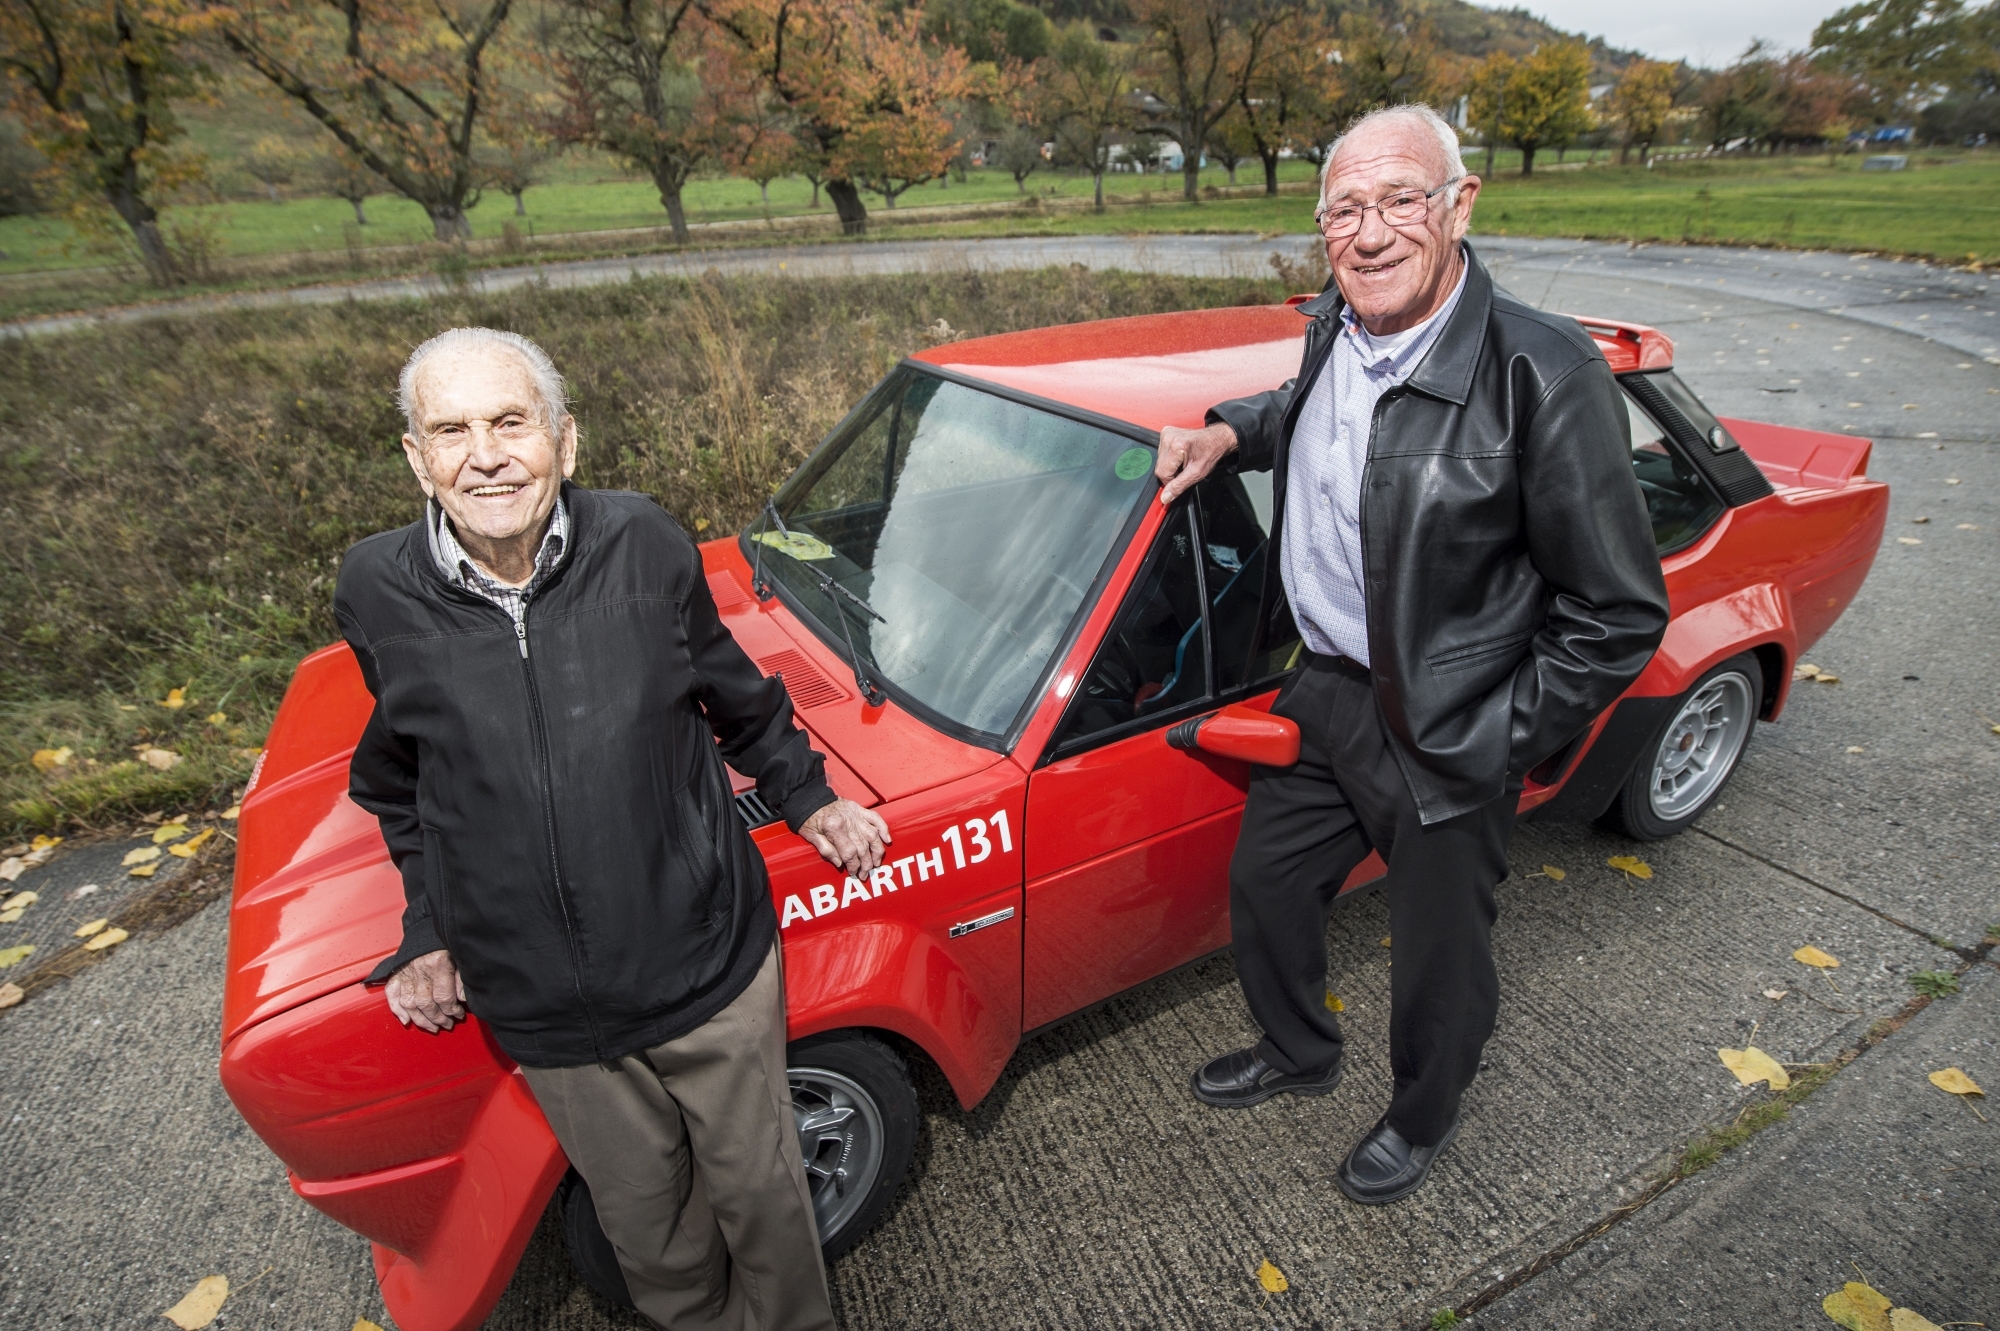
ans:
(1201, 57)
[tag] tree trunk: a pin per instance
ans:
(1624, 152)
(1489, 159)
(520, 203)
(815, 185)
(1270, 172)
(1020, 186)
(271, 190)
(1190, 175)
(449, 222)
(145, 223)
(847, 204)
(360, 218)
(764, 188)
(1097, 190)
(670, 199)
(1527, 159)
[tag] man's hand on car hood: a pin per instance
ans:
(848, 835)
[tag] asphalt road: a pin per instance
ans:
(1091, 1190)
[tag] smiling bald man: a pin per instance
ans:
(555, 698)
(1469, 561)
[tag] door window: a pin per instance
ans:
(1679, 503)
(1235, 514)
(1155, 659)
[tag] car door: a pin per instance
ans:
(1128, 840)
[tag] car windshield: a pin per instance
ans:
(972, 525)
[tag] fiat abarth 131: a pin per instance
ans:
(1052, 687)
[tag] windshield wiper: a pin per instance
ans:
(871, 692)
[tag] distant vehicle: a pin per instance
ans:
(1071, 684)
(1892, 134)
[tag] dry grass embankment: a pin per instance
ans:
(178, 492)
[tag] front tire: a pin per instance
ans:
(855, 1110)
(1691, 757)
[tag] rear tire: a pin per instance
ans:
(855, 1110)
(1691, 757)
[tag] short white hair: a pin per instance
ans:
(548, 381)
(1440, 128)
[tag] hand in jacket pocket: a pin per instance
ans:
(429, 992)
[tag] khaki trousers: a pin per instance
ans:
(693, 1160)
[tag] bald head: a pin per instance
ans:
(1414, 129)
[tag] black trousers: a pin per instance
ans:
(1305, 829)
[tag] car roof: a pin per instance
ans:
(1167, 369)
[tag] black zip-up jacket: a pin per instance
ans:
(556, 803)
(1513, 589)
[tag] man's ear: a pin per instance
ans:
(568, 447)
(414, 454)
(1468, 193)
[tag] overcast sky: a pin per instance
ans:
(1704, 32)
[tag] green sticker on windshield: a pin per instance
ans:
(1133, 463)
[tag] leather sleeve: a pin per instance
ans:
(1258, 420)
(382, 778)
(751, 715)
(1591, 541)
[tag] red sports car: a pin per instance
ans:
(999, 639)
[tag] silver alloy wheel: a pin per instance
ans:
(1701, 745)
(841, 1139)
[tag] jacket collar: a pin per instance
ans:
(1446, 371)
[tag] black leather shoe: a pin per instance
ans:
(1241, 1079)
(1383, 1168)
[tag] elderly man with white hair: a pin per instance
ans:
(555, 697)
(1468, 560)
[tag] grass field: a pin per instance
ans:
(1945, 207)
(180, 491)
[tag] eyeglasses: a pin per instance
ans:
(1400, 209)
(510, 428)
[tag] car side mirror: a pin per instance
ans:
(1242, 733)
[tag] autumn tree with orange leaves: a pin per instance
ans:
(407, 88)
(868, 90)
(95, 83)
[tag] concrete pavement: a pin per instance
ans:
(1091, 1190)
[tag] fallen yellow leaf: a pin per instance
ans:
(13, 956)
(159, 760)
(12, 867)
(1823, 678)
(141, 855)
(363, 1324)
(1333, 1003)
(1862, 1316)
(1908, 1319)
(1753, 1065)
(86, 930)
(166, 832)
(1557, 874)
(144, 870)
(233, 812)
(1812, 956)
(47, 760)
(1804, 670)
(1775, 994)
(42, 843)
(11, 993)
(175, 699)
(1908, 540)
(1955, 1081)
(701, 524)
(1385, 940)
(202, 1303)
(109, 938)
(190, 848)
(218, 718)
(1631, 864)
(1272, 1279)
(22, 899)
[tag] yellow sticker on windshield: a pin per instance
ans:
(796, 544)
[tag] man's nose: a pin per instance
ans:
(1375, 234)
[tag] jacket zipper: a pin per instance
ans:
(549, 827)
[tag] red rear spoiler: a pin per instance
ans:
(1802, 459)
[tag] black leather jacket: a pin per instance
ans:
(557, 803)
(1513, 590)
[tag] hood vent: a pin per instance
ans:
(750, 807)
(803, 680)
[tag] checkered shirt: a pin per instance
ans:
(462, 571)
